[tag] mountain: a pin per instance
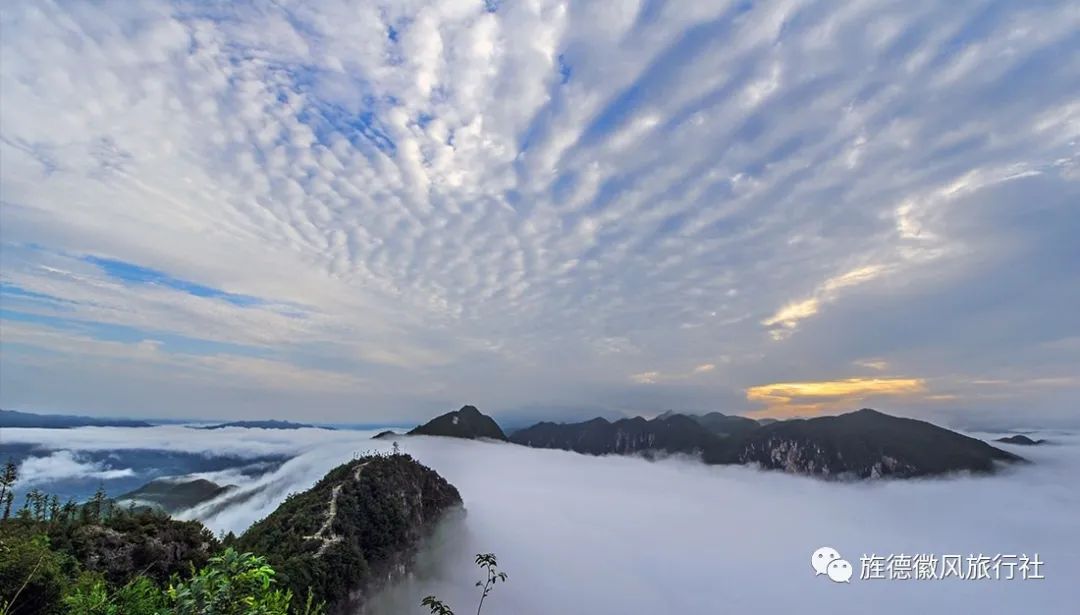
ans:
(862, 444)
(1020, 439)
(357, 528)
(14, 418)
(270, 424)
(671, 433)
(465, 423)
(389, 434)
(171, 496)
(726, 425)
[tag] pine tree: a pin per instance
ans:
(37, 501)
(8, 476)
(97, 504)
(9, 497)
(54, 509)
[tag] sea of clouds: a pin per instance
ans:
(581, 534)
(64, 464)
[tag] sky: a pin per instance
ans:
(617, 534)
(360, 211)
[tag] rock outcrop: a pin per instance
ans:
(145, 543)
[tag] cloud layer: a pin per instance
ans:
(65, 464)
(373, 211)
(581, 534)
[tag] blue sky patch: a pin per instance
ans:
(110, 332)
(136, 274)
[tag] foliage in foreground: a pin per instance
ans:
(232, 583)
(490, 566)
(97, 559)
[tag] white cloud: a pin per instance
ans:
(65, 464)
(481, 202)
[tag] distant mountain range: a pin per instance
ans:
(268, 424)
(861, 444)
(14, 418)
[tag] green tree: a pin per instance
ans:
(8, 476)
(54, 508)
(95, 508)
(232, 583)
(235, 583)
(32, 575)
(490, 566)
(9, 497)
(91, 596)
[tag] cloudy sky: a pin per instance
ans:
(373, 212)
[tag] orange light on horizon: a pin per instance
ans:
(817, 397)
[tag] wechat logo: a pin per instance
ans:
(827, 561)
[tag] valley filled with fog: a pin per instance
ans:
(581, 534)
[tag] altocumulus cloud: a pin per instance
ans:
(380, 209)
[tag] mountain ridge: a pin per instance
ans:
(862, 444)
(17, 418)
(172, 495)
(261, 424)
(865, 443)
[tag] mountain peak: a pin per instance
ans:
(468, 422)
(1020, 439)
(324, 538)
